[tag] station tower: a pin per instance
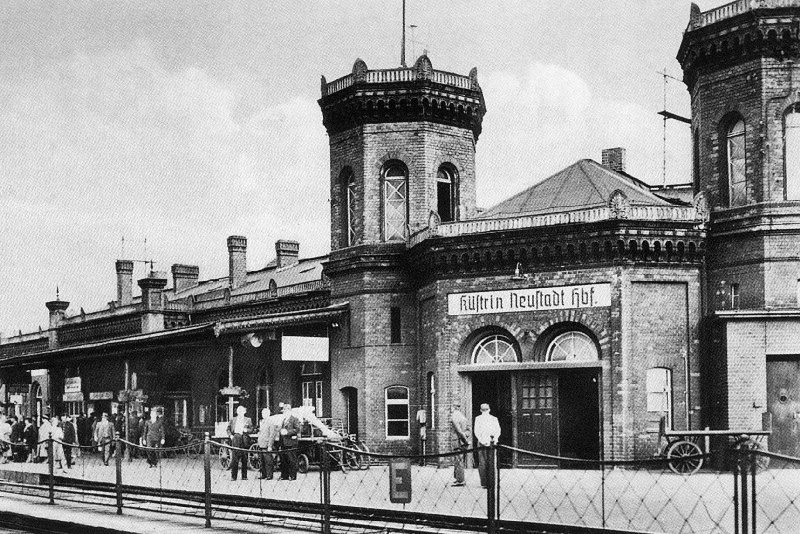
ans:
(402, 153)
(740, 64)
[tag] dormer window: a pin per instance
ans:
(445, 193)
(395, 202)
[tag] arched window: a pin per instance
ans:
(791, 136)
(396, 412)
(446, 187)
(395, 203)
(495, 348)
(572, 346)
(349, 185)
(737, 163)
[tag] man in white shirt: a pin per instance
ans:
(239, 431)
(487, 432)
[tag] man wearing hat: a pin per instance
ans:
(239, 431)
(460, 426)
(487, 431)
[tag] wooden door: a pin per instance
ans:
(783, 402)
(538, 414)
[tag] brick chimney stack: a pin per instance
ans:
(614, 159)
(184, 276)
(152, 301)
(237, 261)
(124, 282)
(286, 252)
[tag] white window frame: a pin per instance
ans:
(658, 385)
(395, 402)
(350, 208)
(180, 412)
(577, 346)
(312, 395)
(395, 203)
(490, 346)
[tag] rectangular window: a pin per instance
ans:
(659, 393)
(312, 395)
(735, 296)
(180, 412)
(396, 412)
(396, 325)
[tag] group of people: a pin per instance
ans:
(487, 432)
(22, 441)
(276, 435)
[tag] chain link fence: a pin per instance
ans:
(736, 491)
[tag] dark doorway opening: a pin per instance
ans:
(579, 414)
(351, 409)
(783, 403)
(495, 389)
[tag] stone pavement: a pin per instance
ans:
(66, 517)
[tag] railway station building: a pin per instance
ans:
(583, 309)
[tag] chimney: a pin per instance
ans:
(184, 276)
(237, 261)
(152, 303)
(124, 282)
(57, 309)
(614, 159)
(286, 252)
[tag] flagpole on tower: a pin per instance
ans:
(403, 46)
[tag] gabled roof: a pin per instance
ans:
(584, 184)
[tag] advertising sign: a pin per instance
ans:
(72, 385)
(529, 299)
(101, 395)
(400, 480)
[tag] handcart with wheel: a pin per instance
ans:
(685, 449)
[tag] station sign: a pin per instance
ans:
(72, 385)
(101, 395)
(400, 480)
(530, 299)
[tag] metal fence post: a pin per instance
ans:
(325, 487)
(118, 463)
(51, 481)
(207, 475)
(491, 503)
(753, 467)
(736, 518)
(743, 502)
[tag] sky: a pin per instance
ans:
(154, 130)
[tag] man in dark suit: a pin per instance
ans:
(18, 451)
(70, 438)
(153, 436)
(239, 431)
(290, 428)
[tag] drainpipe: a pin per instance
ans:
(230, 382)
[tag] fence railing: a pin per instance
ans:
(340, 484)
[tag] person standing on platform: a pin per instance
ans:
(104, 436)
(44, 434)
(239, 431)
(70, 438)
(135, 435)
(487, 431)
(58, 447)
(29, 435)
(268, 433)
(460, 427)
(290, 428)
(153, 436)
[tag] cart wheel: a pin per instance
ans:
(352, 460)
(365, 458)
(302, 463)
(684, 457)
(254, 457)
(194, 449)
(224, 455)
(749, 444)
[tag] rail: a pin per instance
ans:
(380, 76)
(736, 8)
(636, 213)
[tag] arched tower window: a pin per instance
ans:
(791, 136)
(446, 187)
(349, 211)
(737, 162)
(395, 202)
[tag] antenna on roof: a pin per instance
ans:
(403, 46)
(668, 115)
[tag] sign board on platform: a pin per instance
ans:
(400, 480)
(72, 385)
(101, 395)
(529, 299)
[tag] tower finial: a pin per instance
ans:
(403, 45)
(57, 297)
